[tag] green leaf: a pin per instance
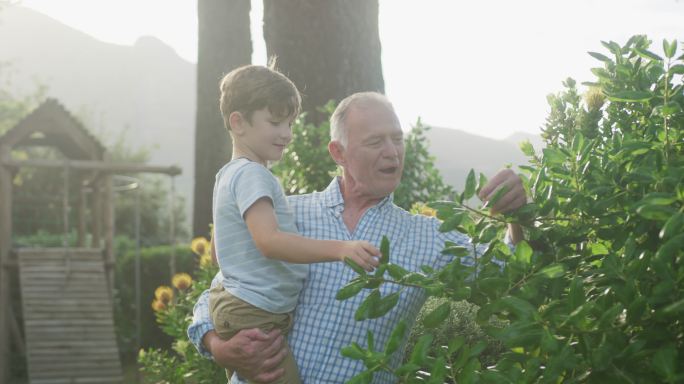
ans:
(677, 69)
(669, 109)
(523, 253)
(500, 192)
(351, 289)
(675, 308)
(371, 340)
(395, 338)
(600, 57)
(456, 250)
(384, 250)
(665, 362)
(438, 371)
(420, 349)
(365, 377)
(396, 271)
(469, 189)
(673, 225)
(437, 315)
(668, 250)
(383, 305)
(353, 351)
(658, 198)
(452, 222)
(455, 344)
(527, 148)
(357, 268)
(669, 48)
(646, 54)
(630, 96)
(553, 271)
(655, 212)
(612, 46)
(553, 156)
(371, 301)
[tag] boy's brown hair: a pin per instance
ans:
(253, 87)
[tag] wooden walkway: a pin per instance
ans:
(68, 319)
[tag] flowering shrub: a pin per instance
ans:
(173, 308)
(595, 293)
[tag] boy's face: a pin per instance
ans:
(265, 137)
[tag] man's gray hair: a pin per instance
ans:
(338, 130)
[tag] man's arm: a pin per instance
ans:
(251, 352)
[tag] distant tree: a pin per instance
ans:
(224, 44)
(330, 49)
(421, 181)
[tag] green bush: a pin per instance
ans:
(595, 294)
(181, 363)
(461, 321)
(154, 271)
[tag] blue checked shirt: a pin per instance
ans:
(323, 325)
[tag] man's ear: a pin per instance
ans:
(336, 152)
(237, 123)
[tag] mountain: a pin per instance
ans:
(456, 152)
(146, 90)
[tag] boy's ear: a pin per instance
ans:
(237, 123)
(336, 152)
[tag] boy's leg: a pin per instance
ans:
(231, 314)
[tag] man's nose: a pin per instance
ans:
(389, 149)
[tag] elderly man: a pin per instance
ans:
(367, 143)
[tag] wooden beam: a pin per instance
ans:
(5, 247)
(101, 166)
(82, 206)
(109, 229)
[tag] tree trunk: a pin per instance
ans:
(224, 44)
(329, 49)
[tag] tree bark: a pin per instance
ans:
(329, 49)
(224, 44)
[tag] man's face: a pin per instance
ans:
(374, 154)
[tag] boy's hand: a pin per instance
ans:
(362, 253)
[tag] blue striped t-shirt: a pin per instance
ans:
(271, 285)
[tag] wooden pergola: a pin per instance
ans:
(86, 159)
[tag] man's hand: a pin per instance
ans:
(251, 352)
(513, 198)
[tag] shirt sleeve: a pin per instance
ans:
(251, 183)
(201, 320)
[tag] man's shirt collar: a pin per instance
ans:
(332, 196)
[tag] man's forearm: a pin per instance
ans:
(515, 233)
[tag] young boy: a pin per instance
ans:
(262, 259)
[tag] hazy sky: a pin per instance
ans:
(482, 66)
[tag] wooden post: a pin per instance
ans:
(96, 184)
(81, 216)
(109, 230)
(5, 247)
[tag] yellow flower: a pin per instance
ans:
(594, 98)
(200, 246)
(205, 261)
(427, 211)
(158, 305)
(164, 294)
(181, 281)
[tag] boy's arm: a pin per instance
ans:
(273, 243)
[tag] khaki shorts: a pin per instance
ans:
(230, 315)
